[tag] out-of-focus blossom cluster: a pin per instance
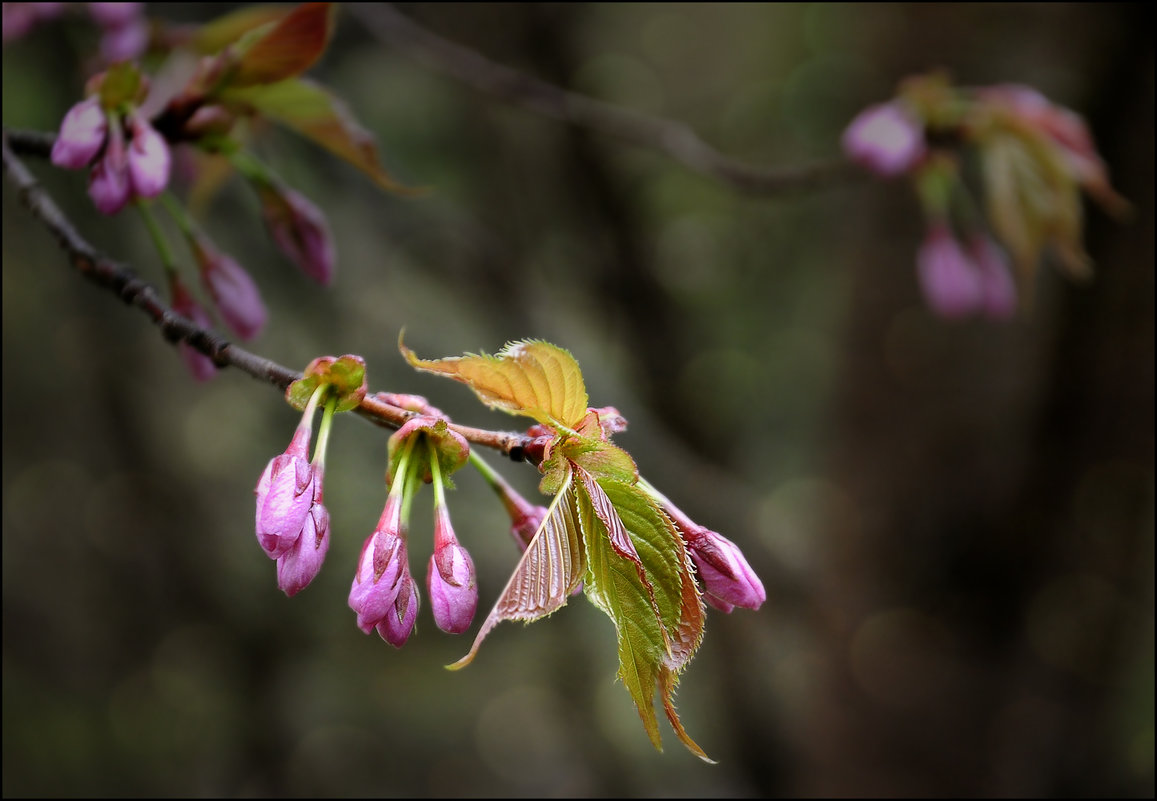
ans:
(1034, 156)
(129, 158)
(124, 134)
(124, 28)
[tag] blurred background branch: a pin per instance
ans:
(675, 139)
(124, 283)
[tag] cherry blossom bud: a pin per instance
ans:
(125, 30)
(381, 568)
(109, 184)
(450, 578)
(209, 120)
(728, 580)
(951, 283)
(398, 624)
(18, 20)
(125, 42)
(184, 304)
(997, 287)
(412, 403)
(111, 15)
(525, 525)
(232, 289)
(886, 139)
(149, 159)
(82, 134)
(298, 566)
(300, 230)
(285, 493)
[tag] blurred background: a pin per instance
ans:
(953, 521)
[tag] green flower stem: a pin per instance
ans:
(436, 476)
(179, 214)
(252, 168)
(158, 237)
(966, 208)
(413, 480)
(496, 482)
(311, 406)
(400, 486)
(323, 430)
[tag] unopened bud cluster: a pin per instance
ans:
(293, 522)
(128, 142)
(384, 593)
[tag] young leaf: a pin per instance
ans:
(668, 565)
(227, 29)
(546, 575)
(662, 590)
(617, 586)
(314, 112)
(286, 48)
(529, 377)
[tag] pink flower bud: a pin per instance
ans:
(18, 20)
(951, 283)
(125, 42)
(728, 580)
(149, 159)
(82, 134)
(298, 566)
(997, 287)
(200, 365)
(450, 578)
(210, 120)
(285, 493)
(112, 15)
(525, 524)
(300, 230)
(398, 624)
(109, 184)
(232, 289)
(411, 403)
(381, 568)
(886, 139)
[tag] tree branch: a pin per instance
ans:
(125, 284)
(674, 138)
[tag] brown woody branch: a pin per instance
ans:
(674, 138)
(125, 284)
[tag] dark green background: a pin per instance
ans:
(954, 522)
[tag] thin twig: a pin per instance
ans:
(125, 284)
(674, 138)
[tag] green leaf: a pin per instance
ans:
(315, 113)
(1033, 201)
(528, 377)
(594, 452)
(227, 29)
(285, 48)
(616, 584)
(657, 611)
(668, 566)
(547, 574)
